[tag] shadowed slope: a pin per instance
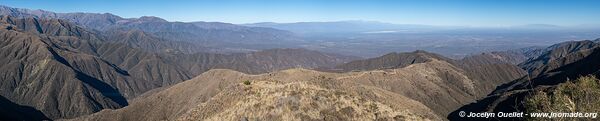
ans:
(288, 94)
(63, 74)
(434, 87)
(511, 96)
(203, 35)
(388, 61)
(31, 77)
(13, 111)
(535, 66)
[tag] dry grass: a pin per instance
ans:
(268, 100)
(581, 95)
(423, 91)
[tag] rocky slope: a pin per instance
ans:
(64, 65)
(513, 57)
(426, 90)
(558, 65)
(84, 84)
(291, 94)
(97, 72)
(201, 34)
(388, 61)
(536, 66)
(142, 40)
(489, 70)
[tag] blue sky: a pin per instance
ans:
(429, 12)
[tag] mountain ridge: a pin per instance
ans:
(562, 62)
(204, 34)
(99, 73)
(430, 83)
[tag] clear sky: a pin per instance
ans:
(429, 12)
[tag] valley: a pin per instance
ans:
(104, 67)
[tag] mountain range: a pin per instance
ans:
(425, 90)
(398, 86)
(559, 65)
(90, 66)
(203, 35)
(98, 72)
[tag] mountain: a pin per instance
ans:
(200, 34)
(488, 70)
(514, 56)
(277, 59)
(240, 37)
(88, 66)
(538, 65)
(483, 72)
(91, 20)
(552, 70)
(148, 42)
(358, 38)
(387, 61)
(100, 72)
(260, 61)
(494, 58)
(84, 84)
(288, 94)
(429, 88)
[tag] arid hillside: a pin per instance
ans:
(104, 67)
(65, 70)
(419, 91)
(556, 70)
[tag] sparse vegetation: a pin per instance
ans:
(321, 77)
(581, 95)
(247, 82)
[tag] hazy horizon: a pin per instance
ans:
(429, 12)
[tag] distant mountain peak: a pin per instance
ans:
(143, 19)
(388, 61)
(151, 19)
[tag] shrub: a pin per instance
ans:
(247, 82)
(581, 95)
